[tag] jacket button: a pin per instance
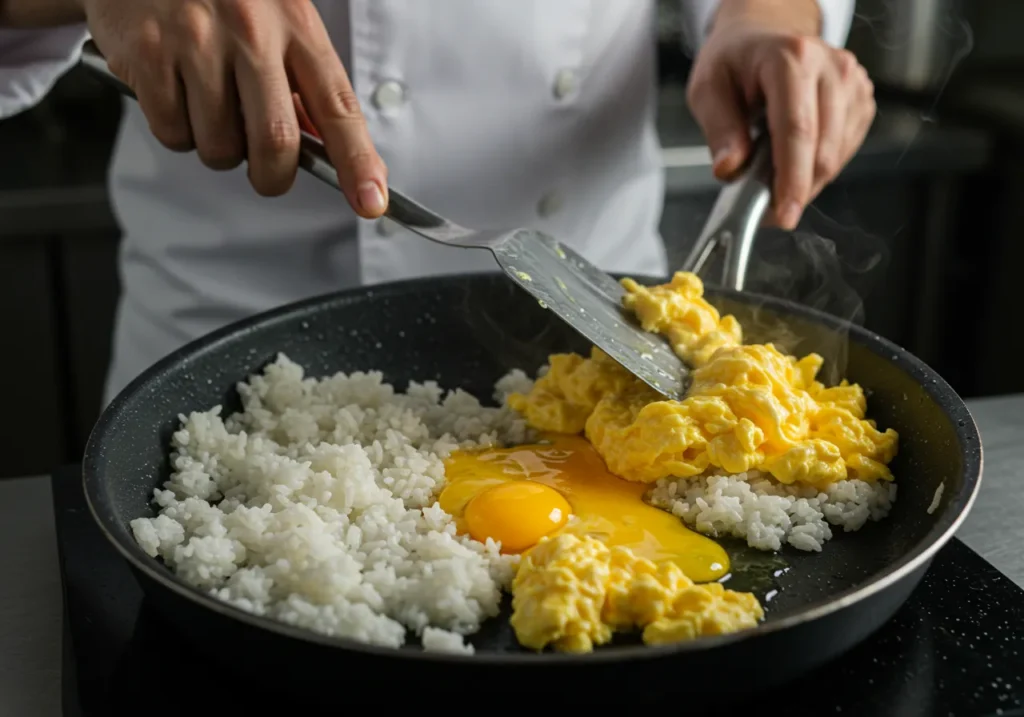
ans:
(386, 227)
(565, 83)
(549, 204)
(388, 95)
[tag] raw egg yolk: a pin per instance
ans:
(517, 514)
(519, 495)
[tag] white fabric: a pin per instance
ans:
(530, 112)
(31, 61)
(836, 17)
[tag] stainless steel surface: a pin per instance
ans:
(560, 279)
(735, 219)
(30, 599)
(995, 527)
(911, 44)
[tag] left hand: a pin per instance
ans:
(818, 100)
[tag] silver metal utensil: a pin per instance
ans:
(735, 218)
(585, 297)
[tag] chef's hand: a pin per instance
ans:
(818, 100)
(217, 76)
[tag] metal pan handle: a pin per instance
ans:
(737, 214)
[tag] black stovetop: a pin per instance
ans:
(955, 648)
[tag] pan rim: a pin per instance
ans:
(953, 513)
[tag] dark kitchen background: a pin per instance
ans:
(927, 222)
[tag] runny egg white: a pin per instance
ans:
(519, 495)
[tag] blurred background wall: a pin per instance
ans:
(926, 226)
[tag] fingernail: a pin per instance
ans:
(790, 214)
(721, 156)
(371, 199)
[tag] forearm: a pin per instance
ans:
(40, 13)
(801, 17)
(829, 19)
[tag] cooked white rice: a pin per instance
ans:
(755, 507)
(435, 639)
(316, 506)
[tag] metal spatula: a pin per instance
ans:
(560, 279)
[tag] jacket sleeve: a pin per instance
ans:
(836, 16)
(31, 61)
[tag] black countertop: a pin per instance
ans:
(955, 648)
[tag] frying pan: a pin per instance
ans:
(479, 327)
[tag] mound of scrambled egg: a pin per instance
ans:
(749, 407)
(571, 593)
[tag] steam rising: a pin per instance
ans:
(924, 40)
(830, 268)
(825, 266)
(915, 45)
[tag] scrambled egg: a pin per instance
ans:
(572, 593)
(749, 407)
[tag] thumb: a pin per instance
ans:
(717, 106)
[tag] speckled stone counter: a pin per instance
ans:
(995, 526)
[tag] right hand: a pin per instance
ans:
(818, 100)
(218, 76)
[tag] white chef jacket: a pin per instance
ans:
(496, 113)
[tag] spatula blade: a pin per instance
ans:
(591, 302)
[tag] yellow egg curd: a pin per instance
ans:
(595, 558)
(571, 593)
(748, 408)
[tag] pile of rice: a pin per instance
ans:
(767, 514)
(316, 506)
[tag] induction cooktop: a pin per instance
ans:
(955, 648)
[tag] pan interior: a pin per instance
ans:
(466, 332)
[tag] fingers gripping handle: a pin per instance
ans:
(312, 155)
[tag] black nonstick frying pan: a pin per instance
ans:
(483, 326)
